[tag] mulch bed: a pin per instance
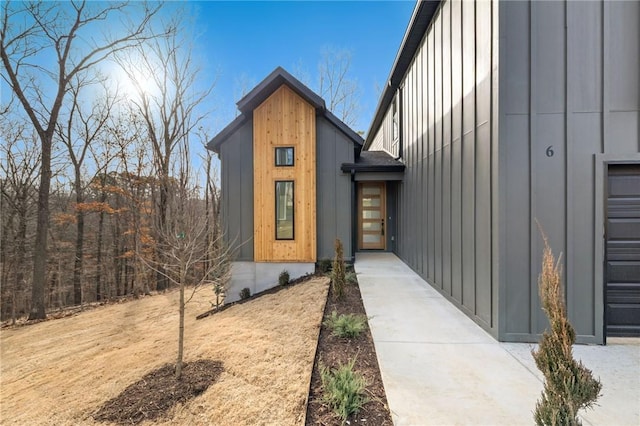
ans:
(157, 392)
(333, 351)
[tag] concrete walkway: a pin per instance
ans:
(440, 368)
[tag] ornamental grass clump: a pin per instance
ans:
(343, 389)
(568, 385)
(346, 325)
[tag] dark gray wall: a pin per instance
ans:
(236, 162)
(333, 189)
(569, 80)
(447, 202)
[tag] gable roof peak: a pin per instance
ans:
(270, 84)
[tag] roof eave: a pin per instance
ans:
(266, 87)
(220, 138)
(359, 168)
(420, 21)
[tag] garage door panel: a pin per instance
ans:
(625, 229)
(623, 272)
(623, 314)
(625, 185)
(623, 251)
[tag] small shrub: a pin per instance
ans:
(337, 274)
(324, 266)
(351, 278)
(283, 279)
(348, 326)
(245, 293)
(218, 290)
(343, 389)
(568, 385)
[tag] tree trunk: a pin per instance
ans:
(163, 282)
(99, 253)
(181, 326)
(21, 251)
(42, 232)
(77, 266)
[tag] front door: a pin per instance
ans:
(371, 214)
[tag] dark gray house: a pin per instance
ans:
(280, 165)
(505, 113)
(496, 115)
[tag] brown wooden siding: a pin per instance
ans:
(284, 119)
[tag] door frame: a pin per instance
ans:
(383, 213)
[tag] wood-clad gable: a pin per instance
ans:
(284, 119)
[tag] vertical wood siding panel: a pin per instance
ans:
(446, 151)
(431, 161)
(624, 51)
(550, 119)
(285, 119)
(483, 162)
(424, 118)
(437, 235)
(420, 98)
(334, 190)
(624, 83)
(468, 156)
(456, 151)
(584, 89)
(514, 147)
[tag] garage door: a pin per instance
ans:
(622, 311)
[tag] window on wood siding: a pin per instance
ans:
(284, 156)
(284, 210)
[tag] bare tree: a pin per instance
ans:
(78, 134)
(341, 91)
(190, 257)
(31, 33)
(169, 97)
(18, 175)
(335, 84)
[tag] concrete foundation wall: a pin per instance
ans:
(258, 277)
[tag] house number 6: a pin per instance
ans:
(549, 151)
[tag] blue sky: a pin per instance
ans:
(247, 40)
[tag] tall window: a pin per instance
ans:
(396, 127)
(284, 156)
(284, 210)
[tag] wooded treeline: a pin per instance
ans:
(119, 209)
(95, 168)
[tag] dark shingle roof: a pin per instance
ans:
(374, 161)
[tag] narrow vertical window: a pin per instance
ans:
(284, 156)
(284, 210)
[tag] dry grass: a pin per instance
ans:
(60, 372)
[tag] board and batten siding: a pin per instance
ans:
(236, 173)
(287, 120)
(447, 202)
(569, 103)
(333, 189)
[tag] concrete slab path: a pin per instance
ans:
(440, 368)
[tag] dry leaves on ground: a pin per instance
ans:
(61, 372)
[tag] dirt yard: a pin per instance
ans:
(60, 372)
